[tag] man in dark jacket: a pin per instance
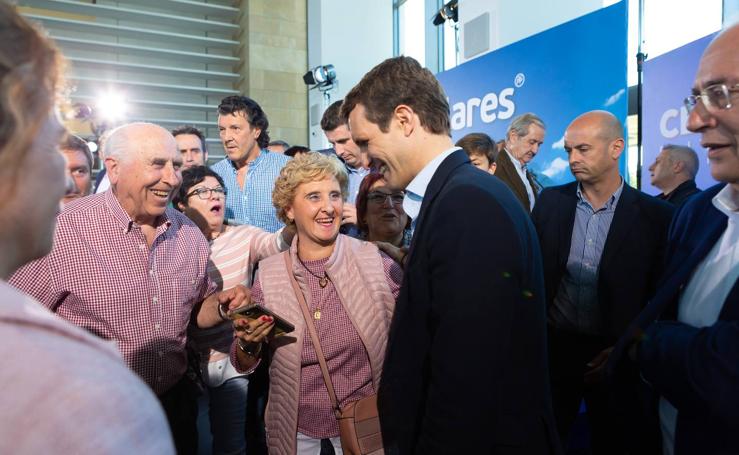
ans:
(673, 172)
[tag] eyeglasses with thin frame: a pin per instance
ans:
(207, 193)
(714, 97)
(379, 198)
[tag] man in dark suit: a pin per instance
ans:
(688, 343)
(603, 244)
(524, 137)
(465, 369)
(673, 172)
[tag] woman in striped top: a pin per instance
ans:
(235, 250)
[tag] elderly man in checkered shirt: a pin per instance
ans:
(129, 269)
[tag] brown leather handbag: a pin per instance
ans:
(359, 422)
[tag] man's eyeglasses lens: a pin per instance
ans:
(380, 198)
(714, 97)
(205, 193)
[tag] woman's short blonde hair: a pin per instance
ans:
(306, 168)
(31, 81)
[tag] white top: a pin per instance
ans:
(415, 190)
(104, 185)
(706, 292)
(521, 170)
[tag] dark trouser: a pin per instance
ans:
(180, 403)
(620, 422)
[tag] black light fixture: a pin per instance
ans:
(450, 11)
(321, 77)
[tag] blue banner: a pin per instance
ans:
(557, 74)
(668, 79)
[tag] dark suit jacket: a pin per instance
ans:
(632, 256)
(506, 171)
(697, 370)
(466, 364)
(680, 194)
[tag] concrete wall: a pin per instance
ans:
(274, 52)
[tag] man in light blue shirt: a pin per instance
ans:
(249, 170)
(491, 292)
(602, 243)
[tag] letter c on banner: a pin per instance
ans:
(666, 117)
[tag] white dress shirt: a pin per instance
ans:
(521, 169)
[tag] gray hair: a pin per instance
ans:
(522, 123)
(685, 155)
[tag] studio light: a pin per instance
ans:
(450, 11)
(111, 107)
(321, 77)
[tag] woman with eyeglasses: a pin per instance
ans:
(234, 251)
(349, 288)
(380, 214)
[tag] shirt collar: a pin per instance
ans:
(727, 200)
(520, 167)
(123, 219)
(612, 201)
(416, 190)
(360, 171)
(253, 163)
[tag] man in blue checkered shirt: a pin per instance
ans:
(249, 170)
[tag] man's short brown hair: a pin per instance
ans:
(332, 117)
(72, 142)
(396, 81)
(479, 144)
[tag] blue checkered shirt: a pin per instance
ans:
(253, 204)
(576, 306)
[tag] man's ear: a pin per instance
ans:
(616, 148)
(406, 118)
(112, 169)
(678, 166)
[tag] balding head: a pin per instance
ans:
(716, 117)
(143, 165)
(608, 127)
(594, 142)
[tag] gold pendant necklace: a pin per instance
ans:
(322, 282)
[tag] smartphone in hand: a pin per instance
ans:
(255, 311)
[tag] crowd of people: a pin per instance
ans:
(484, 312)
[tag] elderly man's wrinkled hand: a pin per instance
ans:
(233, 298)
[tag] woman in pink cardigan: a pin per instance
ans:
(350, 288)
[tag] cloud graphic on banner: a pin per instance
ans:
(614, 98)
(557, 166)
(560, 144)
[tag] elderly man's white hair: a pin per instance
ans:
(120, 139)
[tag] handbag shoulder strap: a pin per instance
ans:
(313, 334)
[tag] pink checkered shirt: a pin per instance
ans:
(102, 277)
